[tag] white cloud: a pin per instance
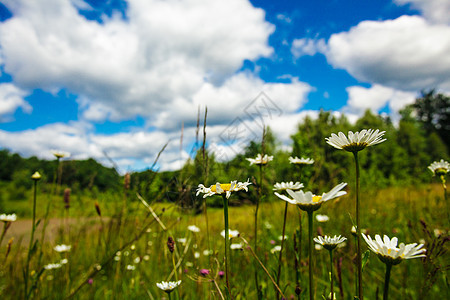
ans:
(307, 46)
(165, 51)
(12, 98)
(407, 53)
(434, 10)
(375, 98)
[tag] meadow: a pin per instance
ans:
(161, 235)
(119, 247)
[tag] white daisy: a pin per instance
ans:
(301, 161)
(52, 266)
(168, 286)
(8, 218)
(193, 228)
(388, 252)
(328, 242)
(60, 154)
(282, 186)
(356, 141)
(236, 246)
(62, 248)
(231, 233)
(275, 249)
(322, 218)
(439, 167)
(310, 202)
(222, 188)
(260, 160)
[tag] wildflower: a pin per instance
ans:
(36, 176)
(168, 286)
(60, 154)
(204, 272)
(301, 161)
(8, 218)
(388, 252)
(318, 247)
(439, 168)
(236, 246)
(275, 249)
(282, 186)
(197, 255)
(310, 202)
(222, 188)
(131, 267)
(328, 242)
(193, 228)
(62, 248)
(260, 160)
(52, 266)
(90, 281)
(64, 261)
(231, 233)
(181, 241)
(137, 260)
(207, 252)
(281, 237)
(356, 141)
(322, 218)
(267, 225)
(221, 274)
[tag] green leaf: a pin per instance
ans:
(365, 259)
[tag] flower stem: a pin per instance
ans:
(282, 244)
(331, 275)
(227, 240)
(33, 228)
(310, 248)
(358, 230)
(387, 277)
(258, 199)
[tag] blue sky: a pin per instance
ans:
(122, 78)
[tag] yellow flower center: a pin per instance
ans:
(224, 186)
(316, 198)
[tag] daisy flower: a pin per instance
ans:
(168, 286)
(439, 168)
(301, 161)
(222, 188)
(322, 218)
(275, 249)
(193, 228)
(260, 160)
(231, 233)
(60, 154)
(52, 266)
(282, 186)
(356, 141)
(310, 202)
(236, 246)
(388, 252)
(329, 242)
(62, 248)
(8, 218)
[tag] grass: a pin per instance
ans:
(98, 267)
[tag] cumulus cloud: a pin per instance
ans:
(165, 51)
(437, 11)
(307, 46)
(375, 98)
(407, 53)
(12, 98)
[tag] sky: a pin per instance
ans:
(117, 80)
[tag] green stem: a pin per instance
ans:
(33, 228)
(282, 244)
(358, 230)
(387, 277)
(175, 272)
(227, 240)
(331, 275)
(310, 248)
(256, 228)
(5, 225)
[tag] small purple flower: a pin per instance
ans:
(90, 280)
(272, 242)
(221, 274)
(204, 272)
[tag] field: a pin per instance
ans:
(123, 253)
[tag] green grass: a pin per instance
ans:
(394, 211)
